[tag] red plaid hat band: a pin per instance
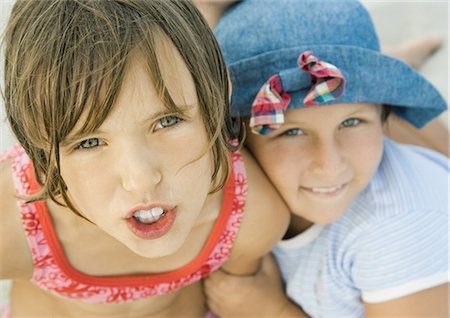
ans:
(326, 81)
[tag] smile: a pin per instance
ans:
(325, 191)
(151, 223)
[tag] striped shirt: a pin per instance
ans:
(393, 240)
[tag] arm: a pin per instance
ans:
(434, 136)
(265, 221)
(259, 295)
(15, 258)
(432, 302)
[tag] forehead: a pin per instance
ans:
(169, 71)
(160, 80)
(166, 85)
(331, 111)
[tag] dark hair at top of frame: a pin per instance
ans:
(65, 58)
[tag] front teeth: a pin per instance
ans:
(149, 216)
(326, 190)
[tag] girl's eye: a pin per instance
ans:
(89, 143)
(293, 132)
(167, 122)
(351, 122)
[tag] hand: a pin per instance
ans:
(259, 295)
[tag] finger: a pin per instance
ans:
(214, 306)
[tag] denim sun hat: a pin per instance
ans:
(261, 38)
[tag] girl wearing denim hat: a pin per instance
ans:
(415, 51)
(127, 188)
(369, 228)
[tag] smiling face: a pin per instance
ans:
(144, 160)
(322, 157)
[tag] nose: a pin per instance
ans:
(139, 169)
(328, 158)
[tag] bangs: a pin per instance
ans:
(95, 80)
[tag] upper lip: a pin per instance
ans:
(144, 207)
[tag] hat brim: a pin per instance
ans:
(371, 77)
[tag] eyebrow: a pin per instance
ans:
(356, 112)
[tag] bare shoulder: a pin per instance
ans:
(15, 258)
(265, 220)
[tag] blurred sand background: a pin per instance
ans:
(395, 21)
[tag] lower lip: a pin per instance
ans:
(326, 194)
(153, 230)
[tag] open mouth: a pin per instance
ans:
(152, 223)
(149, 216)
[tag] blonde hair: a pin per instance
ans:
(68, 58)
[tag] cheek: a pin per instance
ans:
(366, 150)
(194, 176)
(89, 185)
(187, 157)
(373, 156)
(283, 166)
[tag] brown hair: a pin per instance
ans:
(65, 58)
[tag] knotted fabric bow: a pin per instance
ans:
(269, 106)
(327, 84)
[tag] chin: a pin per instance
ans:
(322, 216)
(157, 248)
(154, 250)
(326, 219)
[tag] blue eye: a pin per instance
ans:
(293, 132)
(89, 143)
(351, 122)
(167, 121)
